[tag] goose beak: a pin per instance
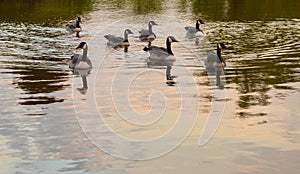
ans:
(153, 23)
(174, 40)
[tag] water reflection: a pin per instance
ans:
(231, 10)
(43, 12)
(146, 6)
(264, 60)
(263, 68)
(83, 74)
(152, 63)
(32, 55)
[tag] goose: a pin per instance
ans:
(161, 53)
(215, 64)
(72, 28)
(148, 35)
(214, 59)
(191, 31)
(115, 41)
(79, 61)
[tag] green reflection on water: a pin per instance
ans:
(42, 11)
(146, 6)
(50, 12)
(246, 10)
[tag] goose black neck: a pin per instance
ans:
(84, 55)
(219, 53)
(150, 27)
(125, 36)
(169, 47)
(198, 26)
(77, 24)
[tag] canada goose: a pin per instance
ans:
(115, 41)
(191, 31)
(214, 59)
(79, 61)
(148, 35)
(72, 28)
(215, 64)
(161, 53)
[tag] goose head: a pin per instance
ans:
(82, 45)
(200, 22)
(152, 23)
(221, 45)
(125, 42)
(171, 39)
(128, 31)
(79, 19)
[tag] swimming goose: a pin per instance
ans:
(215, 64)
(148, 35)
(79, 61)
(72, 28)
(161, 53)
(214, 59)
(115, 41)
(191, 31)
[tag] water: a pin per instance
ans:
(45, 106)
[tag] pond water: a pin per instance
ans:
(50, 116)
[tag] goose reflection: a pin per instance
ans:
(215, 64)
(152, 63)
(83, 74)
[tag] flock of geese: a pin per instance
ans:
(81, 61)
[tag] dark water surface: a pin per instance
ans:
(39, 129)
